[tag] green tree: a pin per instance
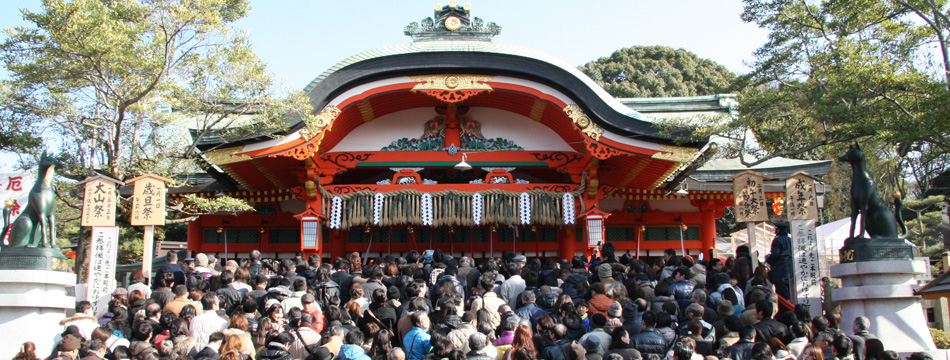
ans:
(658, 71)
(836, 71)
(115, 86)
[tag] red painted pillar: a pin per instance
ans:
(195, 238)
(566, 242)
(707, 232)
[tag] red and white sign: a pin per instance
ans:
(15, 188)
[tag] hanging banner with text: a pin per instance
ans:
(98, 204)
(148, 201)
(805, 262)
(15, 191)
(102, 253)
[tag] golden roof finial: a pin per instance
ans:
(438, 6)
(9, 203)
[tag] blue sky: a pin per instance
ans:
(299, 39)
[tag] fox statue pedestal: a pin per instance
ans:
(32, 304)
(883, 291)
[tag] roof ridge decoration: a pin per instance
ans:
(452, 22)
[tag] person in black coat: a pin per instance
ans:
(620, 344)
(780, 259)
(742, 350)
(648, 341)
(767, 327)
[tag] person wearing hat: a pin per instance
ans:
(723, 291)
(69, 348)
(310, 306)
(748, 315)
(696, 311)
(698, 275)
(615, 311)
(724, 311)
(613, 288)
(780, 259)
(597, 335)
(201, 266)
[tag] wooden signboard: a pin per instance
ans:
(749, 190)
(148, 210)
(148, 200)
(99, 201)
(801, 200)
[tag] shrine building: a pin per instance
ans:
(458, 143)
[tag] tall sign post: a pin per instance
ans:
(801, 205)
(748, 188)
(98, 212)
(148, 210)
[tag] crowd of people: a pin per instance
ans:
(433, 306)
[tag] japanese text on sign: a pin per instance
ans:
(148, 202)
(805, 263)
(749, 192)
(801, 202)
(15, 190)
(102, 255)
(98, 205)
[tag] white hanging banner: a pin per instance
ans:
(377, 207)
(568, 204)
(102, 256)
(525, 208)
(336, 210)
(15, 191)
(805, 265)
(427, 209)
(477, 208)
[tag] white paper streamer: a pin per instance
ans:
(568, 204)
(377, 207)
(336, 212)
(525, 208)
(427, 209)
(477, 208)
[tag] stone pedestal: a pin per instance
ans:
(884, 292)
(32, 303)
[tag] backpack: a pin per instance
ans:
(325, 294)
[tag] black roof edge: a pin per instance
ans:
(478, 63)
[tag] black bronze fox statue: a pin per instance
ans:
(877, 219)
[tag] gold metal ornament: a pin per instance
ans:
(676, 153)
(453, 23)
(583, 121)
